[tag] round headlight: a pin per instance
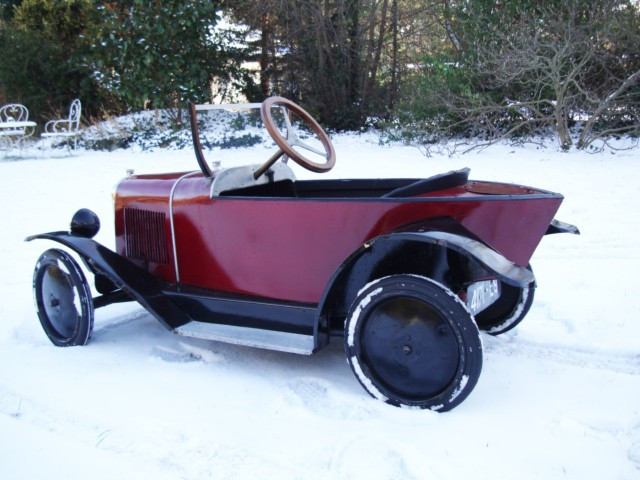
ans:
(85, 223)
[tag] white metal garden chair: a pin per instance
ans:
(65, 128)
(15, 125)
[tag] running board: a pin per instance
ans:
(251, 337)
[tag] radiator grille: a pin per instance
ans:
(145, 235)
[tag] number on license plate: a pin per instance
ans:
(482, 294)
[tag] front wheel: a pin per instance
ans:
(411, 342)
(63, 299)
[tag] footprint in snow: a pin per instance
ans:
(634, 450)
(319, 396)
(371, 457)
(174, 356)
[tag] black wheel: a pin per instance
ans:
(411, 342)
(508, 311)
(63, 299)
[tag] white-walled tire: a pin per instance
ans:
(411, 342)
(63, 299)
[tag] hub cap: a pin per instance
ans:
(60, 301)
(410, 347)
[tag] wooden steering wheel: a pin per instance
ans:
(287, 143)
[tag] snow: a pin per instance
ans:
(515, 314)
(558, 396)
(366, 382)
(458, 391)
(351, 332)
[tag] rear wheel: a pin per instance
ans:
(411, 342)
(63, 299)
(508, 311)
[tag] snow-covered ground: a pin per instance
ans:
(559, 397)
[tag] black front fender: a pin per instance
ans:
(135, 281)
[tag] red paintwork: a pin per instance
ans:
(289, 248)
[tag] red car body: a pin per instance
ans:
(289, 247)
(404, 270)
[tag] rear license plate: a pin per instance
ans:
(482, 294)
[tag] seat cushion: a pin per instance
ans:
(431, 184)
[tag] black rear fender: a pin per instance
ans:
(451, 259)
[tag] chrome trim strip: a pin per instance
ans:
(251, 337)
(114, 195)
(510, 272)
(173, 230)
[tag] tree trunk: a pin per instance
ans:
(353, 45)
(393, 94)
(265, 39)
(370, 75)
(562, 122)
(448, 26)
(586, 136)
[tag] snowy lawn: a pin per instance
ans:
(559, 397)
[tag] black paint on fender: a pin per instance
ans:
(137, 282)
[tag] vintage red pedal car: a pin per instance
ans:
(405, 271)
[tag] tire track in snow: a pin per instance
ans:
(628, 364)
(120, 321)
(192, 454)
